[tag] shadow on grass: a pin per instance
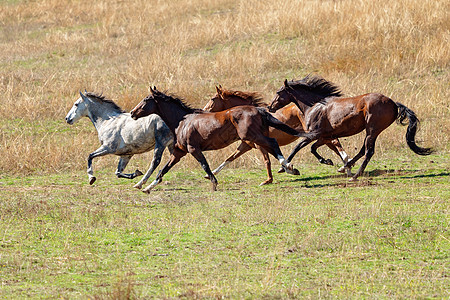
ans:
(365, 179)
(442, 174)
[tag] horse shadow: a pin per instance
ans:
(364, 180)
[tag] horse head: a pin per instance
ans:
(147, 106)
(282, 97)
(78, 110)
(216, 103)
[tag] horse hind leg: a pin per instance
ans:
(123, 162)
(322, 160)
(369, 146)
(157, 154)
(272, 147)
(198, 155)
(268, 164)
(242, 148)
(336, 146)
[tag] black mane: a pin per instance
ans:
(102, 98)
(174, 99)
(317, 86)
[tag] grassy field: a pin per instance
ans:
(311, 236)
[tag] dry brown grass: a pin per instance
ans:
(51, 49)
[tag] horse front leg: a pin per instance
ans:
(322, 160)
(123, 162)
(303, 143)
(157, 154)
(99, 152)
(198, 155)
(369, 144)
(174, 159)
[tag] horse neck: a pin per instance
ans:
(304, 100)
(232, 102)
(98, 113)
(172, 114)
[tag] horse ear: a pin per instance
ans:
(219, 92)
(84, 97)
(286, 84)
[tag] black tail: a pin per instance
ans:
(275, 123)
(403, 113)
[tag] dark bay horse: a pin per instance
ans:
(335, 117)
(290, 115)
(196, 131)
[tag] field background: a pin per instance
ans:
(386, 236)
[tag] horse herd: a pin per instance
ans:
(311, 108)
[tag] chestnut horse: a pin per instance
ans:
(335, 117)
(196, 131)
(290, 115)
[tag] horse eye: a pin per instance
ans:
(76, 104)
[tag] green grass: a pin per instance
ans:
(316, 235)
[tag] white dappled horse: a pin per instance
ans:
(119, 134)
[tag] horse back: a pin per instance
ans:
(206, 131)
(211, 131)
(351, 115)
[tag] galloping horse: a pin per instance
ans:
(290, 115)
(119, 134)
(196, 131)
(334, 117)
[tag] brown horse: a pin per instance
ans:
(290, 115)
(196, 131)
(335, 117)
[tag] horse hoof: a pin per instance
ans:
(329, 162)
(341, 169)
(146, 191)
(281, 170)
(214, 187)
(138, 186)
(353, 179)
(296, 172)
(138, 173)
(268, 181)
(92, 180)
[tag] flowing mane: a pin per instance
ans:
(255, 98)
(173, 99)
(317, 86)
(102, 99)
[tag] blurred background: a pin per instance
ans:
(52, 49)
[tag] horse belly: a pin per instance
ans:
(205, 133)
(346, 124)
(137, 137)
(219, 138)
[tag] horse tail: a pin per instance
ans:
(403, 113)
(275, 123)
